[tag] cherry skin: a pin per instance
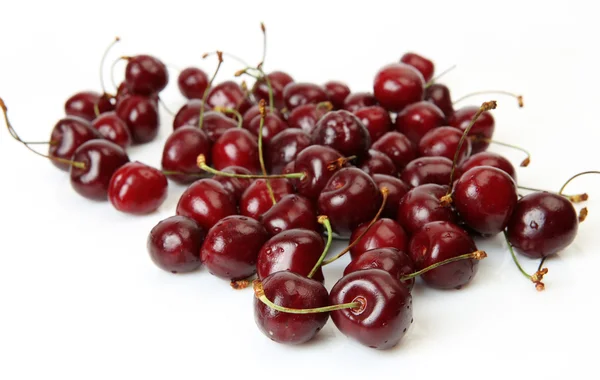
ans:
(398, 147)
(419, 118)
(424, 170)
(397, 85)
(396, 190)
(141, 116)
(376, 119)
(483, 127)
(337, 93)
(343, 132)
(255, 200)
(487, 159)
(236, 147)
(424, 65)
(101, 159)
(192, 82)
(68, 134)
(215, 124)
(123, 92)
(206, 202)
(291, 211)
(254, 111)
(236, 186)
(145, 75)
(395, 262)
(385, 313)
(291, 290)
(443, 142)
(385, 233)
(358, 100)
(439, 241)
(189, 114)
(306, 116)
(313, 162)
(421, 205)
(296, 94)
(112, 128)
(136, 188)
(339, 200)
(278, 81)
(82, 105)
(181, 151)
(174, 244)
(230, 250)
(273, 124)
(228, 94)
(284, 148)
(294, 250)
(439, 95)
(376, 162)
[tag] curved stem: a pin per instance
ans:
(339, 163)
(228, 55)
(264, 52)
(201, 162)
(477, 255)
(573, 198)
(208, 88)
(324, 221)
(514, 257)
(537, 277)
(492, 92)
(164, 106)
(575, 176)
(112, 72)
(432, 81)
(263, 114)
(524, 163)
(102, 62)
(231, 111)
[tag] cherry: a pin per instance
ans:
(123, 92)
(215, 124)
(314, 162)
(206, 201)
(112, 128)
(488, 159)
(145, 75)
(384, 233)
(189, 114)
(306, 116)
(236, 147)
(228, 94)
(174, 244)
(231, 247)
(419, 118)
(180, 152)
(98, 160)
(337, 93)
(358, 100)
(443, 142)
(439, 94)
(298, 93)
(421, 205)
(395, 262)
(376, 119)
(396, 190)
(236, 186)
(342, 131)
(383, 309)
(254, 111)
(397, 147)
(273, 124)
(278, 80)
(376, 162)
(255, 200)
(136, 188)
(291, 211)
(192, 82)
(424, 170)
(68, 134)
(397, 85)
(141, 116)
(483, 127)
(83, 104)
(284, 148)
(424, 65)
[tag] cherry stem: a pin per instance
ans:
(432, 81)
(112, 71)
(575, 176)
(102, 62)
(499, 92)
(231, 111)
(326, 106)
(208, 88)
(537, 277)
(260, 77)
(264, 53)
(339, 163)
(524, 163)
(477, 255)
(201, 162)
(228, 55)
(324, 220)
(164, 106)
(263, 114)
(577, 198)
(172, 172)
(384, 192)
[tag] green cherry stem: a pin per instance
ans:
(261, 160)
(537, 277)
(577, 198)
(324, 220)
(477, 255)
(231, 111)
(102, 63)
(201, 162)
(500, 92)
(584, 211)
(258, 77)
(208, 88)
(524, 163)
(437, 77)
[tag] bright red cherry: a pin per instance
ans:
(256, 201)
(424, 65)
(181, 151)
(306, 116)
(254, 111)
(278, 81)
(236, 147)
(146, 75)
(487, 159)
(439, 95)
(343, 132)
(228, 94)
(419, 118)
(376, 119)
(136, 188)
(215, 124)
(396, 190)
(397, 85)
(112, 128)
(141, 116)
(314, 162)
(443, 142)
(376, 162)
(395, 262)
(273, 124)
(192, 82)
(337, 93)
(284, 148)
(424, 170)
(235, 185)
(68, 134)
(397, 147)
(123, 92)
(189, 114)
(83, 104)
(297, 94)
(358, 100)
(483, 127)
(291, 211)
(421, 205)
(206, 202)
(384, 233)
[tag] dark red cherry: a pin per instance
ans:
(439, 241)
(112, 128)
(294, 291)
(123, 92)
(291, 211)
(397, 85)
(254, 111)
(273, 124)
(439, 94)
(358, 100)
(278, 81)
(236, 186)
(206, 201)
(181, 151)
(395, 262)
(256, 201)
(419, 118)
(313, 162)
(485, 198)
(228, 94)
(337, 93)
(443, 142)
(297, 94)
(483, 127)
(236, 147)
(68, 134)
(385, 233)
(424, 65)
(340, 199)
(230, 250)
(82, 104)
(189, 114)
(141, 116)
(192, 82)
(421, 205)
(396, 190)
(487, 159)
(174, 244)
(284, 147)
(542, 224)
(295, 250)
(376, 119)
(215, 124)
(145, 75)
(136, 188)
(306, 116)
(397, 147)
(343, 132)
(385, 311)
(376, 162)
(424, 170)
(101, 159)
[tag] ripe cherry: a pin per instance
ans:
(136, 188)
(397, 147)
(123, 93)
(284, 148)
(192, 82)
(395, 262)
(315, 162)
(180, 152)
(487, 159)
(483, 127)
(376, 119)
(342, 131)
(228, 94)
(291, 211)
(68, 134)
(376, 162)
(141, 116)
(358, 100)
(145, 75)
(236, 186)
(397, 85)
(384, 233)
(189, 114)
(443, 142)
(424, 170)
(306, 116)
(439, 95)
(273, 124)
(254, 111)
(112, 128)
(255, 200)
(278, 81)
(424, 65)
(337, 93)
(421, 205)
(419, 118)
(83, 104)
(206, 202)
(396, 190)
(297, 93)
(236, 147)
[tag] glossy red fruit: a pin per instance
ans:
(376, 162)
(421, 205)
(483, 127)
(358, 100)
(228, 94)
(123, 92)
(424, 170)
(236, 186)
(419, 118)
(313, 162)
(395, 262)
(385, 311)
(296, 94)
(136, 188)
(192, 82)
(487, 159)
(385, 233)
(306, 116)
(396, 190)
(206, 202)
(146, 75)
(291, 211)
(376, 119)
(443, 142)
(439, 94)
(174, 244)
(254, 111)
(397, 85)
(189, 114)
(83, 104)
(68, 134)
(397, 147)
(337, 93)
(215, 124)
(424, 65)
(230, 250)
(101, 159)
(343, 132)
(291, 290)
(273, 125)
(278, 81)
(439, 241)
(112, 128)
(141, 116)
(236, 147)
(255, 200)
(181, 151)
(284, 148)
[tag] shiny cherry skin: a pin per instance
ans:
(337, 93)
(419, 118)
(236, 186)
(313, 162)
(424, 170)
(385, 313)
(123, 92)
(487, 159)
(228, 94)
(68, 134)
(395, 262)
(291, 211)
(82, 104)
(181, 151)
(443, 142)
(174, 244)
(483, 127)
(192, 82)
(255, 201)
(189, 114)
(278, 81)
(298, 93)
(231, 247)
(141, 116)
(254, 111)
(206, 201)
(112, 128)
(398, 147)
(424, 65)
(236, 147)
(385, 233)
(291, 290)
(136, 188)
(339, 200)
(215, 124)
(358, 100)
(296, 250)
(396, 190)
(376, 162)
(439, 94)
(306, 116)
(421, 205)
(284, 148)
(101, 159)
(439, 241)
(542, 224)
(485, 198)
(273, 125)
(376, 119)
(397, 85)
(146, 75)
(342, 131)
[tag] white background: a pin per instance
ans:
(79, 296)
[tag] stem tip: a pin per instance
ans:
(201, 160)
(479, 255)
(525, 162)
(240, 284)
(579, 198)
(446, 200)
(583, 214)
(257, 286)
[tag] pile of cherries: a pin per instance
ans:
(277, 170)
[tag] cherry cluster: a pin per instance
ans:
(276, 171)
